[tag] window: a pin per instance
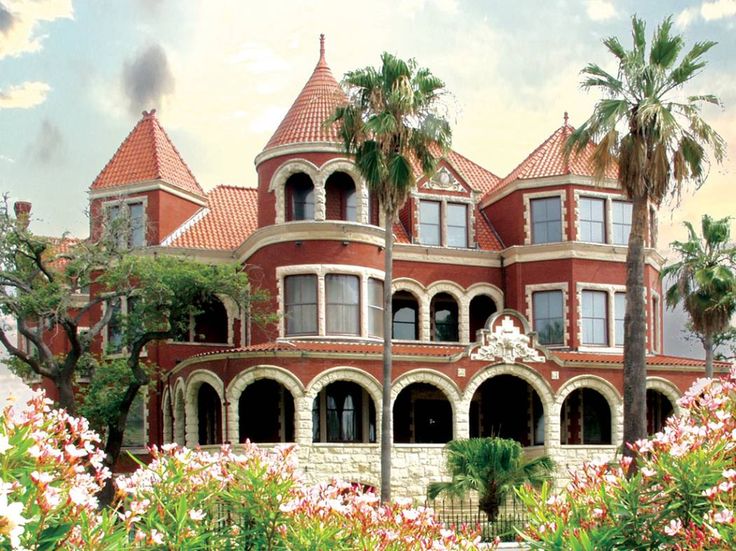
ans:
(343, 412)
(115, 329)
(127, 223)
(619, 311)
(457, 225)
(406, 314)
(300, 192)
(594, 317)
(455, 216)
(592, 220)
(135, 424)
(341, 198)
(546, 220)
(444, 318)
(375, 307)
(620, 222)
(343, 304)
(429, 227)
(549, 321)
(301, 304)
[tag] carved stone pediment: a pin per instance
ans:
(507, 342)
(443, 180)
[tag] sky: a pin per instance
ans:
(76, 74)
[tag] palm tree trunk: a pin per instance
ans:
(708, 345)
(635, 330)
(386, 436)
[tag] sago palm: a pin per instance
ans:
(705, 281)
(492, 467)
(653, 133)
(392, 126)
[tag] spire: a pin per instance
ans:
(565, 117)
(322, 50)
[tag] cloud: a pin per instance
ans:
(685, 17)
(19, 21)
(24, 95)
(600, 10)
(147, 80)
(718, 9)
(411, 7)
(6, 159)
(48, 146)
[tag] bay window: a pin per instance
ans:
(620, 222)
(375, 307)
(592, 220)
(300, 301)
(619, 311)
(549, 321)
(546, 216)
(343, 304)
(595, 317)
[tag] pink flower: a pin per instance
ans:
(673, 528)
(196, 514)
(724, 516)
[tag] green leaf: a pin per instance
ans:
(48, 539)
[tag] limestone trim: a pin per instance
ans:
(608, 198)
(321, 271)
(573, 250)
(528, 197)
(300, 147)
(460, 419)
(415, 252)
(444, 200)
(667, 389)
(610, 290)
(535, 183)
(477, 289)
(361, 189)
(147, 185)
(606, 389)
(528, 374)
(278, 186)
(248, 377)
(194, 381)
(563, 286)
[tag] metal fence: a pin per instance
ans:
(454, 512)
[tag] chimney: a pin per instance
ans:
(22, 213)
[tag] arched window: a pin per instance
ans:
(209, 416)
(443, 309)
(406, 316)
(422, 415)
(341, 197)
(343, 412)
(659, 408)
(508, 407)
(482, 307)
(266, 413)
(585, 418)
(300, 197)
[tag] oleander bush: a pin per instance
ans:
(247, 498)
(682, 496)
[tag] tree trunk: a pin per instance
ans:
(386, 436)
(708, 345)
(65, 387)
(635, 330)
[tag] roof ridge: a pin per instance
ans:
(120, 146)
(152, 114)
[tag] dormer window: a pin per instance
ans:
(429, 223)
(457, 225)
(433, 215)
(300, 191)
(126, 223)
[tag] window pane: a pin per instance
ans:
(429, 226)
(137, 225)
(592, 220)
(301, 304)
(375, 307)
(619, 313)
(595, 317)
(351, 206)
(546, 220)
(457, 225)
(115, 328)
(445, 318)
(621, 223)
(135, 434)
(548, 318)
(303, 202)
(343, 304)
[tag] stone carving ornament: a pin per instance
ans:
(505, 342)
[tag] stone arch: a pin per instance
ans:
(167, 407)
(180, 432)
(606, 389)
(449, 287)
(194, 381)
(349, 168)
(486, 289)
(418, 291)
(523, 372)
(439, 380)
(249, 376)
(668, 389)
(458, 294)
(336, 374)
(282, 174)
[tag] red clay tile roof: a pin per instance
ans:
(487, 239)
(658, 359)
(364, 348)
(402, 236)
(147, 154)
(549, 160)
(474, 175)
(231, 216)
(58, 247)
(304, 121)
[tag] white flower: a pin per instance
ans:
(673, 528)
(196, 514)
(4, 444)
(11, 520)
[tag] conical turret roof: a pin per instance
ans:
(147, 153)
(304, 122)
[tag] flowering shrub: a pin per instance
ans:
(681, 498)
(50, 471)
(183, 499)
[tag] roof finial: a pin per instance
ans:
(321, 47)
(565, 117)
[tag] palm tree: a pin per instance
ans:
(492, 467)
(657, 139)
(705, 281)
(392, 125)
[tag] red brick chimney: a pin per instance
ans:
(22, 213)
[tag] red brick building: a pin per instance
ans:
(508, 302)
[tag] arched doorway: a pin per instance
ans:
(209, 416)
(266, 413)
(585, 419)
(659, 409)
(344, 412)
